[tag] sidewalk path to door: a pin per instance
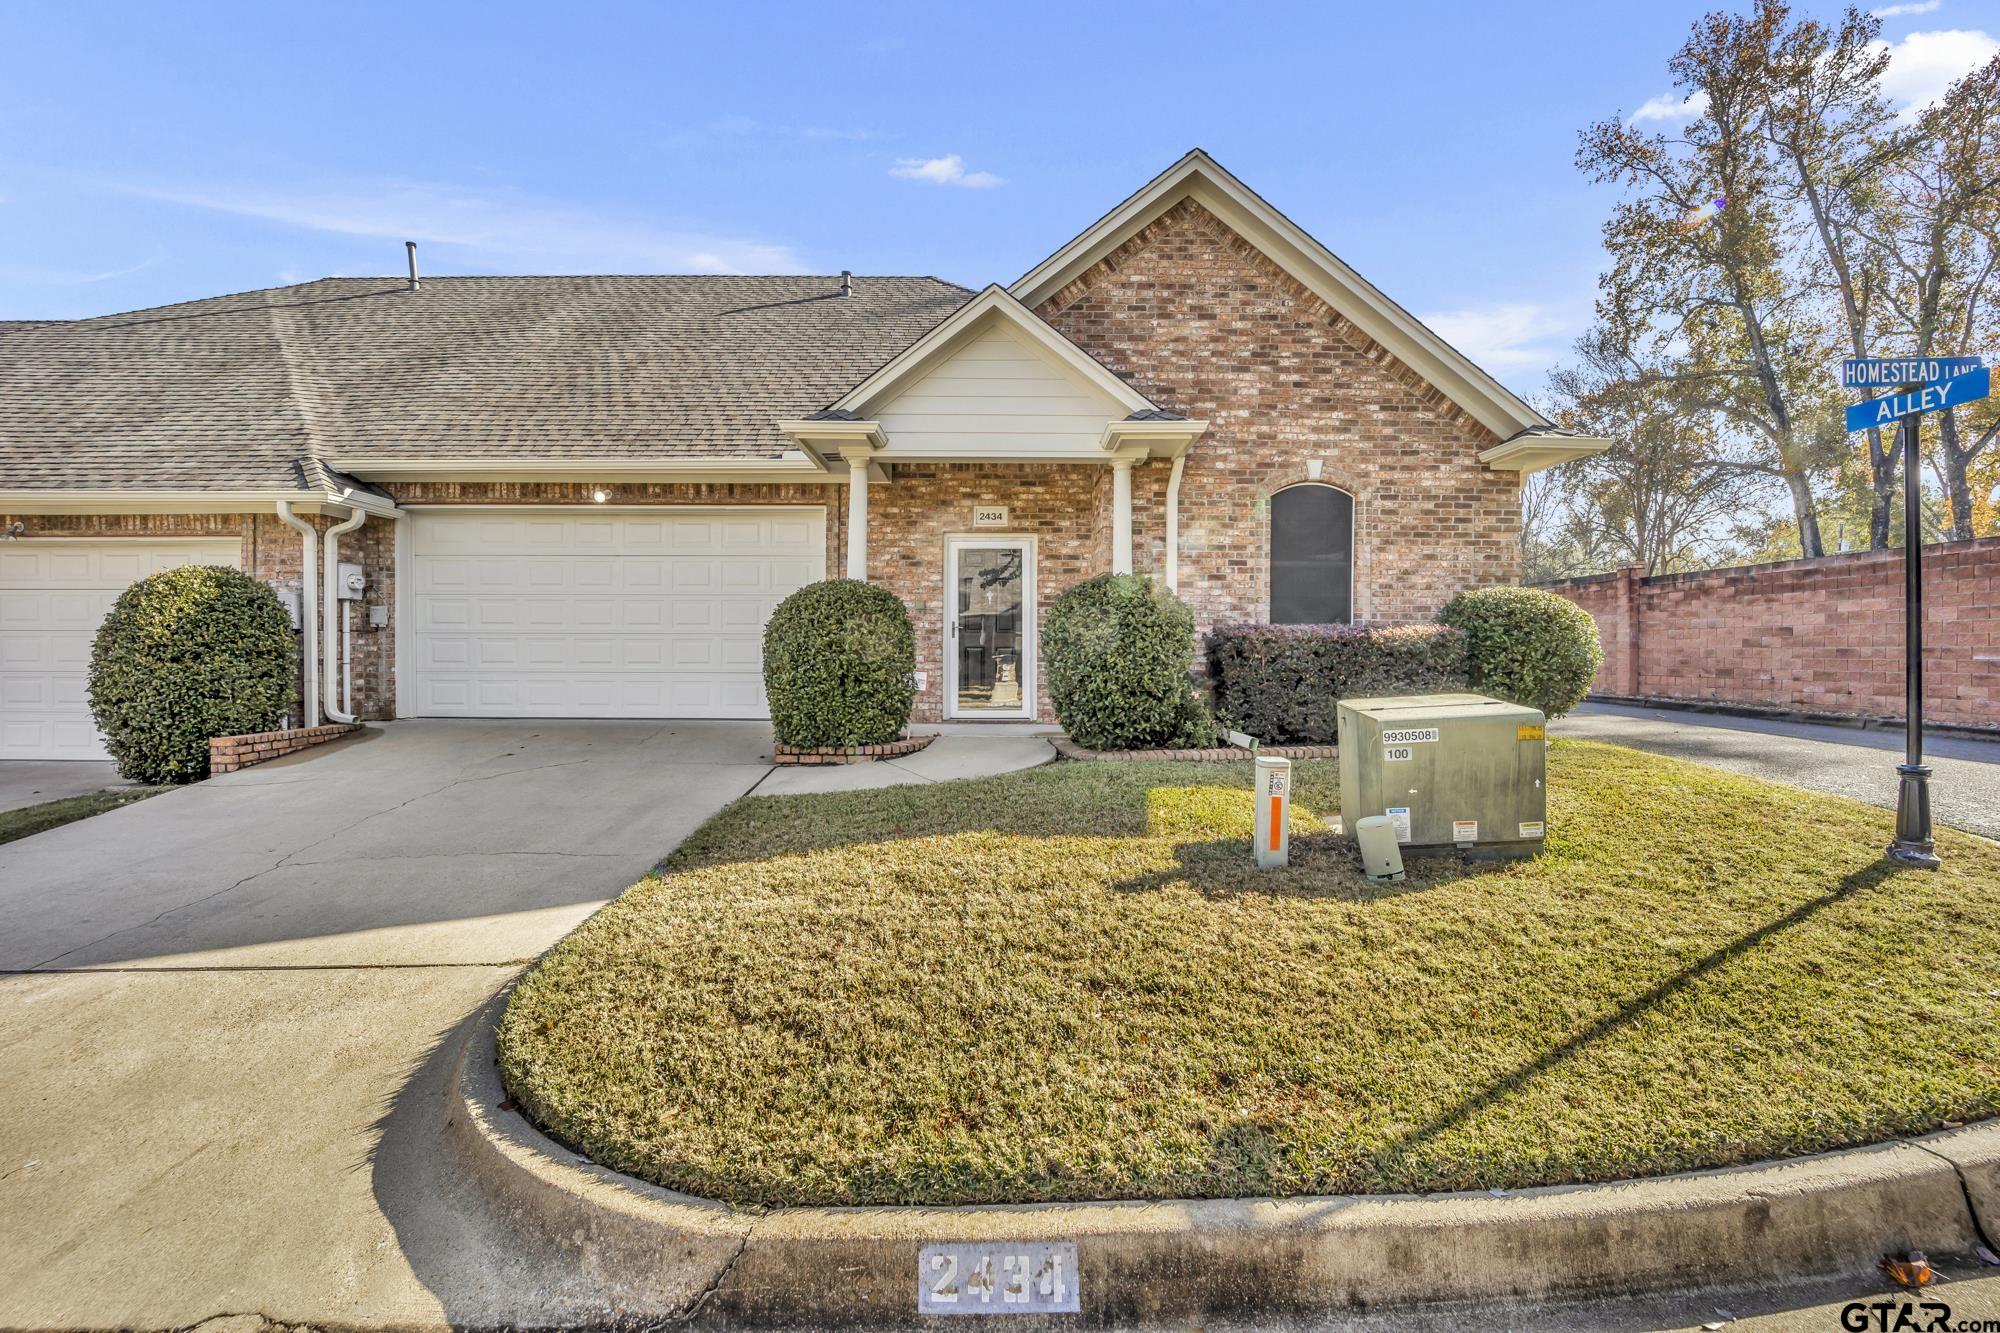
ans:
(1845, 761)
(962, 750)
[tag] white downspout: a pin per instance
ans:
(1121, 516)
(1174, 523)
(330, 607)
(309, 614)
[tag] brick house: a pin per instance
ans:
(581, 497)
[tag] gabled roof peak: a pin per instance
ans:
(993, 303)
(1199, 177)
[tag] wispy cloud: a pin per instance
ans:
(1511, 336)
(62, 277)
(838, 132)
(1669, 107)
(946, 170)
(1901, 11)
(1924, 64)
(497, 230)
(736, 126)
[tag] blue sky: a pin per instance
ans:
(154, 153)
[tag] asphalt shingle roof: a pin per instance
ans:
(232, 391)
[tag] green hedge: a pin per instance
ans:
(184, 656)
(1284, 683)
(839, 665)
(1118, 649)
(1528, 645)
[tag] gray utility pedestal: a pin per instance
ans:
(1452, 771)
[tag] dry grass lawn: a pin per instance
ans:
(1069, 983)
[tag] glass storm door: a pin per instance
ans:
(989, 634)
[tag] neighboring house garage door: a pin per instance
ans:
(596, 613)
(53, 596)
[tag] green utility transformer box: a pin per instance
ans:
(1451, 771)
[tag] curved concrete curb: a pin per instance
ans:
(666, 1254)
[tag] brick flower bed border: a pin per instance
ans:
(226, 754)
(1069, 749)
(783, 754)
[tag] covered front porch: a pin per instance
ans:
(988, 468)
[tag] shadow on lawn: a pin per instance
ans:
(1633, 1009)
(1323, 865)
(1069, 800)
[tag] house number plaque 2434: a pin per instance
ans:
(1022, 1277)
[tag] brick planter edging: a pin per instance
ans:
(226, 754)
(848, 754)
(1069, 749)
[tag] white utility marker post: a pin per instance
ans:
(1121, 516)
(857, 513)
(1271, 833)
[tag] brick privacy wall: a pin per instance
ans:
(271, 553)
(226, 754)
(1196, 318)
(1821, 636)
(909, 518)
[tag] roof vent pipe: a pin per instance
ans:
(411, 246)
(846, 283)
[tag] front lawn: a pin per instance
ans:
(1069, 983)
(54, 814)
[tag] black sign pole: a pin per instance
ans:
(1913, 845)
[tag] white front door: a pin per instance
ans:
(589, 612)
(989, 632)
(53, 596)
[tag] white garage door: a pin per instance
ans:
(593, 613)
(53, 596)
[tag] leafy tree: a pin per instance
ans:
(1706, 295)
(1938, 224)
(1831, 130)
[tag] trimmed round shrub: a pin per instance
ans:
(184, 656)
(839, 665)
(1117, 649)
(1528, 645)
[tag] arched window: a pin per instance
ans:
(1312, 555)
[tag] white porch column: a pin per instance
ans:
(1121, 516)
(857, 514)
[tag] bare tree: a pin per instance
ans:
(1664, 492)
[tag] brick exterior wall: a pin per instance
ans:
(1201, 322)
(1193, 316)
(271, 553)
(1817, 636)
(909, 518)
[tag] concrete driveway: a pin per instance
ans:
(227, 1008)
(25, 782)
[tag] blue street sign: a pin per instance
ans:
(1893, 372)
(1931, 398)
